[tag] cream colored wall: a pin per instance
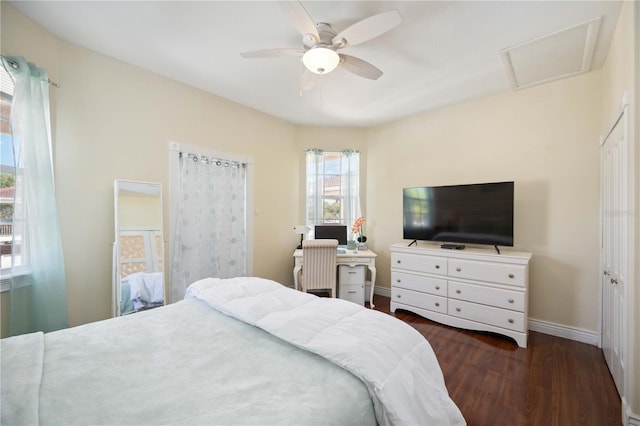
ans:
(114, 121)
(546, 140)
(620, 74)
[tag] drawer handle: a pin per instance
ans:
(437, 304)
(398, 261)
(352, 292)
(510, 321)
(458, 269)
(458, 309)
(511, 275)
(398, 280)
(437, 266)
(352, 272)
(399, 296)
(458, 291)
(437, 287)
(510, 300)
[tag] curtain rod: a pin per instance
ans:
(16, 65)
(206, 159)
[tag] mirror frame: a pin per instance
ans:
(143, 188)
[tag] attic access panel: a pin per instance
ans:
(558, 55)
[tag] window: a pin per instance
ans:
(333, 187)
(8, 169)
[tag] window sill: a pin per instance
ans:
(5, 276)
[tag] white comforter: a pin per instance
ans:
(181, 364)
(395, 362)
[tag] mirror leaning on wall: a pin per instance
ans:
(138, 249)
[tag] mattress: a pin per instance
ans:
(184, 363)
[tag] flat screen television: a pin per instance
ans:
(473, 214)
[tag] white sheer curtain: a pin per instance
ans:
(315, 186)
(38, 297)
(350, 185)
(332, 177)
(211, 233)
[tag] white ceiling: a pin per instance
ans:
(443, 52)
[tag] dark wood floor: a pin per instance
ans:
(553, 381)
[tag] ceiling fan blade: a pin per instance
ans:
(273, 53)
(367, 29)
(359, 67)
(300, 18)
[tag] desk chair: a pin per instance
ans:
(319, 265)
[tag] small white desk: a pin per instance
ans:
(351, 257)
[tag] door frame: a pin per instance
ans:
(621, 118)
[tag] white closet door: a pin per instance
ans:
(614, 201)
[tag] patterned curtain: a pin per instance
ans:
(210, 238)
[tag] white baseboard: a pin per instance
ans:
(629, 418)
(565, 331)
(382, 291)
(546, 327)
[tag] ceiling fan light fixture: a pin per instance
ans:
(320, 60)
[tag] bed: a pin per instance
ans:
(141, 291)
(235, 351)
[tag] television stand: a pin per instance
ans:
(412, 243)
(497, 249)
(452, 246)
(473, 289)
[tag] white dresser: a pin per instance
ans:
(474, 288)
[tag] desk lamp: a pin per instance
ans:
(301, 229)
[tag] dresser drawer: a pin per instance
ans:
(350, 274)
(419, 300)
(352, 293)
(507, 299)
(511, 320)
(489, 271)
(420, 283)
(419, 263)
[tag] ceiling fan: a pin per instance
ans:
(320, 43)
